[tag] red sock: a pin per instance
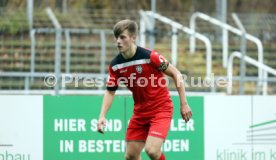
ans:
(162, 157)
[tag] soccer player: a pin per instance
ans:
(142, 71)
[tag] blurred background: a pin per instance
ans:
(74, 37)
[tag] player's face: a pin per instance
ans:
(124, 41)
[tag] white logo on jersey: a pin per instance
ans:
(139, 69)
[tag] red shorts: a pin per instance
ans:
(140, 128)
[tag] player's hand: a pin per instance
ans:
(186, 112)
(101, 124)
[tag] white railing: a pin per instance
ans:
(58, 28)
(50, 79)
(58, 42)
(176, 26)
(225, 39)
(247, 59)
(53, 18)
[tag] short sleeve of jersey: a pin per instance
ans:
(159, 61)
(112, 82)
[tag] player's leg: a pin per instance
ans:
(159, 128)
(133, 150)
(136, 136)
(153, 148)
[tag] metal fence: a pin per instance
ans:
(28, 56)
(83, 52)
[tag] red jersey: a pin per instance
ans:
(143, 76)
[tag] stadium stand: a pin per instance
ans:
(15, 45)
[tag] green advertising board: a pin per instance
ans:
(70, 131)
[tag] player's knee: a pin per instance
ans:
(130, 156)
(152, 152)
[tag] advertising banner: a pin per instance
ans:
(70, 129)
(65, 128)
(262, 133)
(240, 128)
(20, 127)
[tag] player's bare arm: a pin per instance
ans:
(185, 109)
(107, 100)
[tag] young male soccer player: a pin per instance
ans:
(141, 70)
